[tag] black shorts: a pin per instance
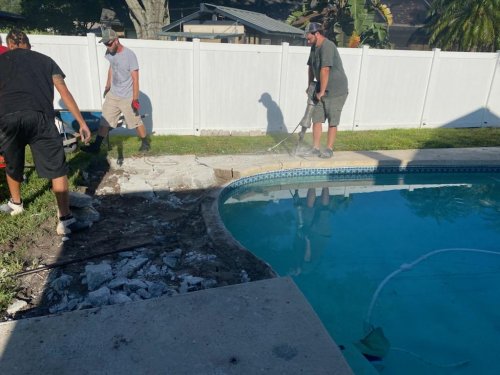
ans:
(37, 130)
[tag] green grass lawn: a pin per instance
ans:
(393, 139)
(40, 203)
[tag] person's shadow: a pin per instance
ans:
(275, 121)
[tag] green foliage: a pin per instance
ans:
(363, 19)
(65, 17)
(465, 25)
(375, 36)
(62, 16)
(11, 6)
(10, 263)
(343, 20)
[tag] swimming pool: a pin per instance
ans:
(402, 266)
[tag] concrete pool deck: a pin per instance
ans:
(259, 327)
(263, 327)
(177, 172)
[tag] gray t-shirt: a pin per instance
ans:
(122, 65)
(328, 55)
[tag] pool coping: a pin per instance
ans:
(230, 167)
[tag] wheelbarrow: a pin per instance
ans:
(68, 126)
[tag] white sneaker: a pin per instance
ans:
(12, 208)
(71, 225)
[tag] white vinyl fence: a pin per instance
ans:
(208, 88)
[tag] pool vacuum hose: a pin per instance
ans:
(368, 326)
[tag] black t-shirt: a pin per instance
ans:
(26, 82)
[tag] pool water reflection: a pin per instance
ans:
(361, 251)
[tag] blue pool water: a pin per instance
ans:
(417, 255)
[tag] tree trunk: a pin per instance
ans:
(148, 17)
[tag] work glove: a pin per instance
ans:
(135, 105)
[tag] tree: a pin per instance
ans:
(148, 17)
(347, 22)
(465, 25)
(61, 16)
(11, 6)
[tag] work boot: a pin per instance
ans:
(12, 208)
(69, 224)
(145, 146)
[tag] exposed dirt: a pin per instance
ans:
(182, 220)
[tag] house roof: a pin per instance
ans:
(253, 20)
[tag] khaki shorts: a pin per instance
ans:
(113, 107)
(329, 108)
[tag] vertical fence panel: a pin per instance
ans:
(430, 86)
(166, 84)
(196, 87)
(459, 94)
(240, 87)
(491, 115)
(360, 88)
(282, 99)
(391, 89)
(95, 77)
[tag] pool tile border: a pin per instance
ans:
(354, 173)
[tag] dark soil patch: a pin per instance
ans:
(131, 223)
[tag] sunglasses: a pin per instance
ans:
(108, 44)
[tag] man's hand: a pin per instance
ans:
(84, 133)
(106, 90)
(320, 94)
(136, 105)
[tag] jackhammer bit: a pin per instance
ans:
(305, 123)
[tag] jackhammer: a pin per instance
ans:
(305, 123)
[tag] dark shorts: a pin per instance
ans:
(329, 108)
(39, 132)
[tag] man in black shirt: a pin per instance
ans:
(27, 81)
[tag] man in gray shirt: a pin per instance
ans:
(121, 92)
(325, 66)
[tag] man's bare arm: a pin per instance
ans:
(135, 84)
(324, 73)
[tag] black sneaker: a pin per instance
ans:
(145, 146)
(93, 148)
(71, 225)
